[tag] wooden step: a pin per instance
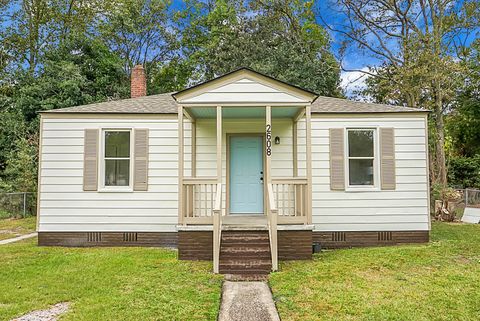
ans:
(245, 266)
(245, 239)
(245, 250)
(245, 253)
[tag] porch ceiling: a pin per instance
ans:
(242, 112)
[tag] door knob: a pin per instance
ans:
(261, 178)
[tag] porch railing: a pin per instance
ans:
(272, 226)
(199, 195)
(291, 199)
(217, 228)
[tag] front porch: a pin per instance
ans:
(205, 201)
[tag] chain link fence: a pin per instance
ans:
(18, 204)
(472, 198)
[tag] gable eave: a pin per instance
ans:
(238, 74)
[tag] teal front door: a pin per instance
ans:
(246, 175)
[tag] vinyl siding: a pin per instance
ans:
(64, 206)
(405, 208)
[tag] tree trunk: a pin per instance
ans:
(440, 144)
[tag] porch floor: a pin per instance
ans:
(239, 221)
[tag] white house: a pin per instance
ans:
(243, 169)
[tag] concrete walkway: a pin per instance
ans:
(247, 301)
(18, 238)
(51, 314)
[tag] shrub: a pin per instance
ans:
(464, 172)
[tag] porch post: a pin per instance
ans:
(296, 118)
(180, 165)
(295, 150)
(194, 149)
(268, 144)
(272, 211)
(219, 144)
(308, 118)
(217, 211)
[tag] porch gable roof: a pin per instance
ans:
(247, 86)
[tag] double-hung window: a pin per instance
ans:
(117, 158)
(361, 157)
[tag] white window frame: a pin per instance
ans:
(104, 188)
(376, 164)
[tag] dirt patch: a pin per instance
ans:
(462, 259)
(50, 314)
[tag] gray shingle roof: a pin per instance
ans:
(154, 104)
(165, 104)
(338, 105)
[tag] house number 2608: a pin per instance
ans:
(269, 140)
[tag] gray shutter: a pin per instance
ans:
(140, 165)
(337, 159)
(90, 160)
(387, 158)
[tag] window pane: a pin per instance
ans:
(361, 171)
(117, 144)
(360, 143)
(117, 172)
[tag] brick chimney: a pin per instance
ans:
(138, 85)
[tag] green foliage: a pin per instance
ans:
(173, 76)
(463, 124)
(31, 28)
(137, 31)
(464, 172)
(20, 173)
(80, 71)
(278, 38)
(463, 127)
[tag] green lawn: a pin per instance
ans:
(438, 281)
(11, 227)
(106, 283)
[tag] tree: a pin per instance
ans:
(32, 27)
(80, 71)
(20, 171)
(278, 38)
(138, 31)
(463, 123)
(413, 42)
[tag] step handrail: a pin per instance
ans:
(272, 226)
(217, 228)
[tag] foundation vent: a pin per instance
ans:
(339, 237)
(385, 236)
(129, 237)
(94, 237)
